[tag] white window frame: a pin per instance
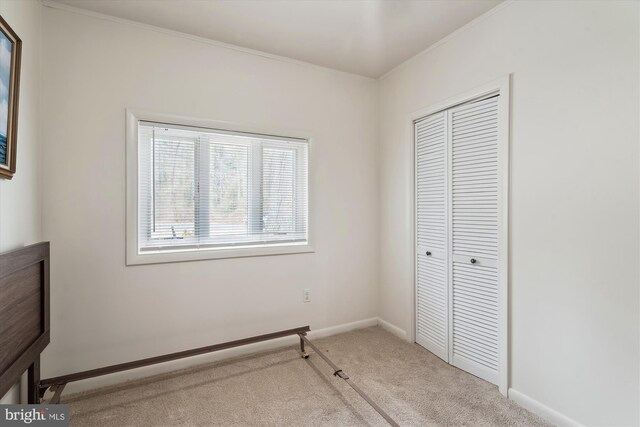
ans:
(135, 257)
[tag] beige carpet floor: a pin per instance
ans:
(279, 388)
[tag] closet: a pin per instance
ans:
(459, 227)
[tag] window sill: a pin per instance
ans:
(210, 254)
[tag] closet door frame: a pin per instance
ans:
(500, 87)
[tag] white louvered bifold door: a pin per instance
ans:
(474, 238)
(432, 316)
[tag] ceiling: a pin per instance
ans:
(366, 37)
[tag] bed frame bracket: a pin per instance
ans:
(341, 374)
(57, 384)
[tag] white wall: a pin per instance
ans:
(574, 195)
(103, 312)
(20, 214)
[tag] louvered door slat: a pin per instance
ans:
(432, 295)
(474, 225)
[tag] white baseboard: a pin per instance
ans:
(345, 327)
(163, 368)
(401, 333)
(541, 409)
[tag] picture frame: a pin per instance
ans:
(10, 56)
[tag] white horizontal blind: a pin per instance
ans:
(474, 171)
(206, 189)
(282, 184)
(431, 251)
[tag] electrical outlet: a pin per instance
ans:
(306, 295)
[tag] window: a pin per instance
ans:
(208, 193)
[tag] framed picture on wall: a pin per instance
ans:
(10, 51)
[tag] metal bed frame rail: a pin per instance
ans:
(57, 384)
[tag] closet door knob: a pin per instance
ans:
(473, 261)
(428, 253)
